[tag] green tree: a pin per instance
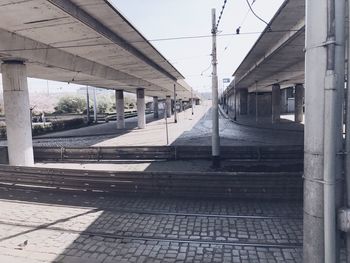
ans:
(70, 104)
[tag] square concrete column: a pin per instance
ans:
(17, 113)
(119, 99)
(141, 108)
(284, 100)
(276, 103)
(181, 107)
(155, 107)
(243, 102)
(299, 103)
(168, 106)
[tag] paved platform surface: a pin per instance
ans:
(56, 227)
(235, 134)
(125, 165)
(286, 122)
(190, 130)
(107, 134)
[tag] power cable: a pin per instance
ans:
(220, 16)
(238, 29)
(244, 18)
(151, 40)
(258, 17)
(205, 70)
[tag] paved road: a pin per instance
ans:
(41, 227)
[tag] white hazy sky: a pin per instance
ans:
(157, 19)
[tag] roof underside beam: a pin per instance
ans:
(85, 18)
(16, 46)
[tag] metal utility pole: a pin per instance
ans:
(215, 108)
(175, 112)
(95, 106)
(87, 105)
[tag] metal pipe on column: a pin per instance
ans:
(340, 11)
(324, 69)
(334, 93)
(347, 138)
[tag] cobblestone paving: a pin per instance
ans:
(56, 227)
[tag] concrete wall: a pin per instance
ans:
(264, 104)
(243, 102)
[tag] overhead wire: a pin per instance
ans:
(238, 29)
(205, 70)
(258, 17)
(151, 40)
(244, 18)
(221, 13)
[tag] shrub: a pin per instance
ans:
(50, 127)
(67, 124)
(70, 104)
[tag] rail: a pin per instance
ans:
(166, 153)
(232, 185)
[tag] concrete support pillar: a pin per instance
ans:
(181, 108)
(17, 113)
(168, 106)
(141, 108)
(324, 86)
(284, 100)
(95, 105)
(174, 107)
(276, 103)
(299, 99)
(243, 97)
(119, 99)
(155, 107)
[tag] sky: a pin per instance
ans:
(159, 19)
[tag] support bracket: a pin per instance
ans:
(344, 219)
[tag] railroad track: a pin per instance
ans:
(261, 153)
(234, 185)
